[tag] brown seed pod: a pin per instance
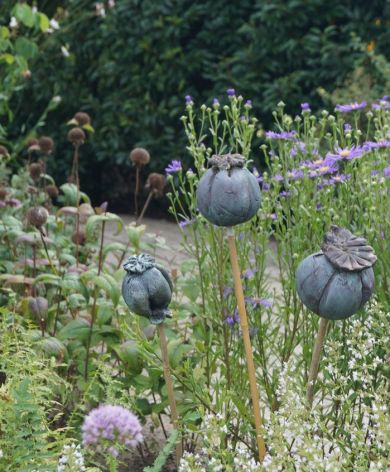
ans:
(32, 142)
(139, 157)
(82, 118)
(36, 170)
(156, 182)
(3, 150)
(46, 144)
(79, 237)
(76, 136)
(3, 193)
(52, 191)
(37, 216)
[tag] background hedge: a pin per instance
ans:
(131, 70)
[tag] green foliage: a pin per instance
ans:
(132, 69)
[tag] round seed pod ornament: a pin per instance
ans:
(147, 288)
(337, 281)
(228, 194)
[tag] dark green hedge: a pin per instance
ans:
(132, 69)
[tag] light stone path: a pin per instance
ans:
(167, 237)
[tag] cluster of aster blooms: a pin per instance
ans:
(110, 428)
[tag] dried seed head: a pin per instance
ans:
(76, 136)
(37, 216)
(46, 144)
(36, 170)
(32, 142)
(139, 157)
(3, 193)
(3, 151)
(78, 237)
(52, 191)
(156, 182)
(82, 118)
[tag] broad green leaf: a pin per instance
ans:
(43, 21)
(76, 329)
(24, 13)
(26, 48)
(94, 220)
(8, 58)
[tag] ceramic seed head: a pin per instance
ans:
(228, 194)
(147, 288)
(337, 281)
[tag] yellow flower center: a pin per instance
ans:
(345, 152)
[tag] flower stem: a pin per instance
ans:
(247, 343)
(315, 360)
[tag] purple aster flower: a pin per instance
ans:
(305, 106)
(230, 321)
(374, 173)
(185, 223)
(318, 206)
(368, 145)
(231, 92)
(347, 127)
(386, 171)
(215, 102)
(295, 174)
(284, 194)
(351, 107)
(256, 173)
(349, 154)
(274, 216)
(266, 187)
(256, 302)
(188, 100)
(109, 426)
(249, 273)
(241, 236)
(174, 166)
(248, 104)
(339, 178)
(227, 291)
(284, 135)
(278, 178)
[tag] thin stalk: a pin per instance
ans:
(169, 385)
(151, 194)
(247, 344)
(315, 360)
(136, 191)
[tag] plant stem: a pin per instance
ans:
(169, 385)
(151, 194)
(315, 360)
(247, 343)
(136, 191)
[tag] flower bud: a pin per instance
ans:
(156, 182)
(52, 191)
(82, 118)
(3, 151)
(36, 170)
(79, 237)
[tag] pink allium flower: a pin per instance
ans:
(109, 426)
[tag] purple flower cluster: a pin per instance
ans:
(354, 152)
(173, 167)
(369, 145)
(305, 107)
(351, 107)
(188, 100)
(284, 135)
(231, 92)
(185, 223)
(12, 202)
(257, 302)
(386, 171)
(108, 426)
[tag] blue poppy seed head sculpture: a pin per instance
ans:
(228, 194)
(147, 288)
(337, 281)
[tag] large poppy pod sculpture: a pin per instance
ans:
(147, 291)
(335, 283)
(227, 195)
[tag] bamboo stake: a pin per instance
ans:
(169, 384)
(315, 360)
(247, 343)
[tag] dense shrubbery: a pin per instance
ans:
(131, 69)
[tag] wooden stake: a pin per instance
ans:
(247, 343)
(169, 384)
(315, 360)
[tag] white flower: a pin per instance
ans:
(54, 24)
(65, 51)
(13, 23)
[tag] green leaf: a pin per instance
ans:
(96, 219)
(24, 13)
(176, 352)
(26, 48)
(43, 22)
(8, 58)
(129, 353)
(76, 329)
(49, 279)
